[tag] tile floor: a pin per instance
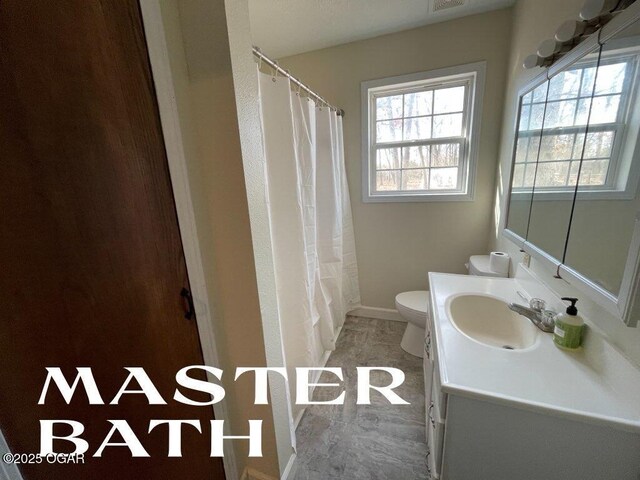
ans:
(368, 442)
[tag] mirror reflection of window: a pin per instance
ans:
(604, 222)
(529, 132)
(566, 112)
(576, 98)
(530, 120)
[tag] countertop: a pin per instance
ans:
(595, 384)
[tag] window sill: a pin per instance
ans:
(412, 197)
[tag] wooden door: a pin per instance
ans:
(91, 261)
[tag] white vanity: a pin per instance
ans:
(504, 403)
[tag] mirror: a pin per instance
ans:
(527, 144)
(574, 200)
(606, 202)
(566, 114)
(551, 130)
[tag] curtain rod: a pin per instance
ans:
(273, 64)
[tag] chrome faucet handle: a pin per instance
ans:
(537, 304)
(548, 318)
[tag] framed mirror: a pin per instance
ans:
(574, 202)
(603, 227)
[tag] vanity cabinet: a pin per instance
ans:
(435, 403)
(474, 436)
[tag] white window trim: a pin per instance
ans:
(369, 88)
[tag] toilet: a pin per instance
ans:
(414, 307)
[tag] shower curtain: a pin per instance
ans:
(310, 218)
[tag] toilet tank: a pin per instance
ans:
(479, 265)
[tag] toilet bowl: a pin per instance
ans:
(414, 307)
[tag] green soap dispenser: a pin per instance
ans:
(568, 330)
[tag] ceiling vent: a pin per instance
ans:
(444, 4)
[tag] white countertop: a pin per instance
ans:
(595, 384)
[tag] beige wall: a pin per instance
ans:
(398, 243)
(198, 46)
(534, 21)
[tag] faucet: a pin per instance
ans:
(541, 318)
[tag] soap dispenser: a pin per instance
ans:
(568, 330)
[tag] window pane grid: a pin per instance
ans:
(584, 113)
(558, 165)
(419, 138)
(568, 102)
(423, 179)
(409, 156)
(418, 168)
(426, 127)
(578, 97)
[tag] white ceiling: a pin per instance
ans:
(287, 27)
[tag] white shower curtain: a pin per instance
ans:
(310, 219)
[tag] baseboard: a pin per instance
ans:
(253, 474)
(289, 467)
(378, 313)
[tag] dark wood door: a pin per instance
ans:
(91, 261)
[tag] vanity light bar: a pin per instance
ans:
(593, 16)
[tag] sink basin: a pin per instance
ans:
(489, 321)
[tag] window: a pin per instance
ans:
(419, 135)
(597, 96)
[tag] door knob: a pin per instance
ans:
(186, 294)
